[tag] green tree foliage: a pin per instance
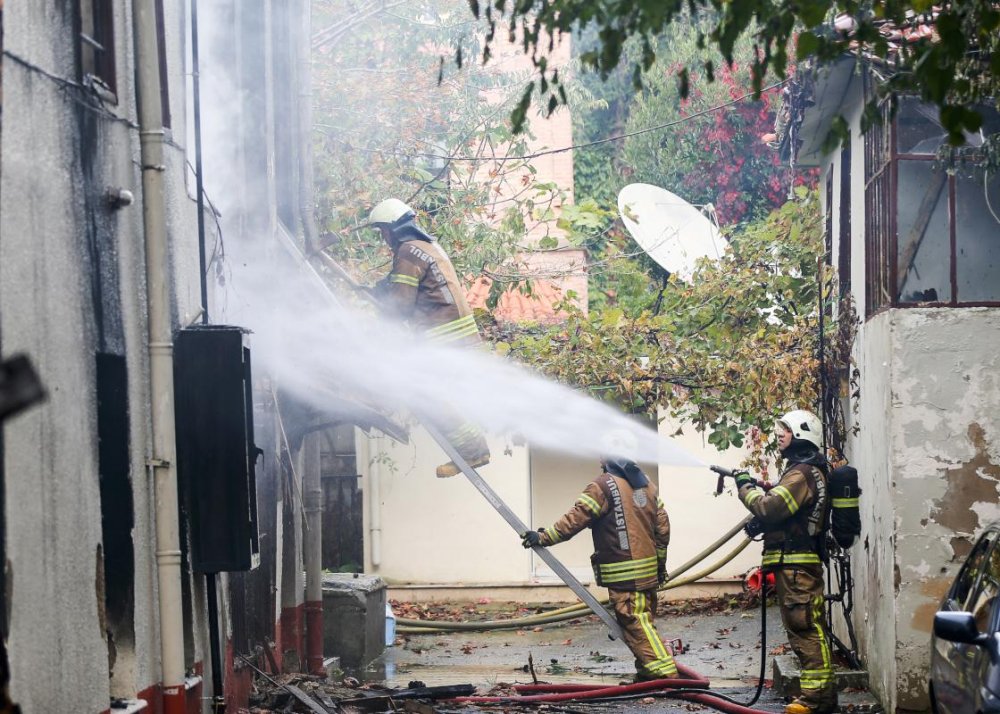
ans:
(705, 153)
(954, 68)
(711, 155)
(393, 119)
(728, 351)
(601, 110)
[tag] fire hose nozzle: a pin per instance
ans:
(721, 483)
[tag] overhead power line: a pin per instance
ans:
(548, 152)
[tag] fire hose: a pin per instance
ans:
(412, 626)
(690, 686)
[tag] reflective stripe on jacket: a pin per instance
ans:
(630, 528)
(794, 514)
(424, 290)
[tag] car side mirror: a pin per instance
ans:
(959, 627)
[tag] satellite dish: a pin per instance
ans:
(672, 232)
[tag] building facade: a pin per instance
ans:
(912, 230)
(87, 522)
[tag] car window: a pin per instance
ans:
(966, 580)
(981, 605)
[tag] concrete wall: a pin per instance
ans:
(946, 465)
(53, 536)
(873, 557)
(926, 450)
(71, 285)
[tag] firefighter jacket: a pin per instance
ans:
(630, 529)
(794, 515)
(423, 289)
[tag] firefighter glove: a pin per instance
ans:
(742, 479)
(661, 572)
(529, 539)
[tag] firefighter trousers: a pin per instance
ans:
(465, 436)
(635, 612)
(800, 596)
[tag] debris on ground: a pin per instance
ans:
(708, 605)
(719, 640)
(315, 695)
(482, 609)
(487, 609)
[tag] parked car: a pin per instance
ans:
(965, 646)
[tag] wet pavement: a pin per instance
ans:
(722, 646)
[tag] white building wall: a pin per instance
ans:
(925, 450)
(422, 529)
(870, 451)
(697, 516)
(53, 504)
(428, 531)
(55, 296)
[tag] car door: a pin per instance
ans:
(984, 608)
(951, 662)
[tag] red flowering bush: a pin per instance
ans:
(716, 156)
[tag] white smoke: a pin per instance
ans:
(323, 350)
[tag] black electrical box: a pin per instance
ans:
(213, 403)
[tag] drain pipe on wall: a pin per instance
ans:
(161, 375)
(306, 192)
(374, 503)
(312, 484)
(313, 551)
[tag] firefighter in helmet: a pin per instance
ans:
(631, 531)
(793, 516)
(423, 290)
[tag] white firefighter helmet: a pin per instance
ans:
(804, 425)
(389, 212)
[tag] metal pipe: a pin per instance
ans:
(306, 192)
(374, 504)
(313, 550)
(161, 375)
(199, 182)
(218, 699)
(215, 642)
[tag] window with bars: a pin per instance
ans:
(878, 226)
(161, 42)
(932, 235)
(844, 232)
(97, 47)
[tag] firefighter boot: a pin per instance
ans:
(451, 468)
(798, 706)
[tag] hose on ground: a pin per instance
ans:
(718, 543)
(689, 686)
(410, 626)
(404, 622)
